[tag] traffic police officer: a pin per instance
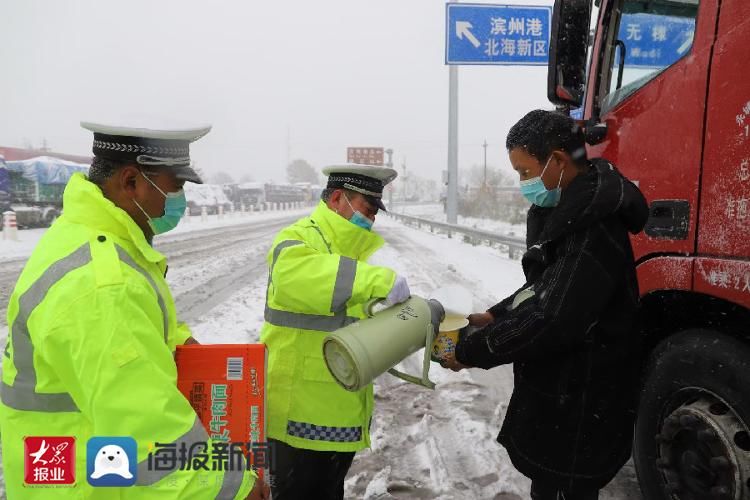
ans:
(93, 330)
(319, 280)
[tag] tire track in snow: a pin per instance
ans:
(207, 268)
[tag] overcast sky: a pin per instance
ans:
(271, 76)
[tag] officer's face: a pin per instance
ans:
(358, 203)
(166, 181)
(150, 199)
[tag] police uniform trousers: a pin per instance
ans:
(299, 474)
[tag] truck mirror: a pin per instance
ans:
(566, 73)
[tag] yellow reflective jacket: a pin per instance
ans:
(318, 283)
(92, 332)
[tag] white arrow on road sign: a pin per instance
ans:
(463, 29)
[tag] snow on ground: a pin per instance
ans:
(236, 321)
(192, 223)
(435, 212)
(24, 244)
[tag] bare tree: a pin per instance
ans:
(222, 178)
(495, 199)
(301, 171)
(495, 177)
(198, 170)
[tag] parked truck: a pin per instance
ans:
(4, 187)
(247, 194)
(33, 188)
(206, 196)
(662, 89)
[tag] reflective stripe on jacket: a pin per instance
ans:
(318, 282)
(92, 332)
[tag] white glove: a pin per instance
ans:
(399, 293)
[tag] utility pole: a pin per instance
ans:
(452, 201)
(288, 145)
(484, 183)
(389, 152)
(403, 166)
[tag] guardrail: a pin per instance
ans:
(515, 246)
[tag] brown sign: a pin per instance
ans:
(365, 156)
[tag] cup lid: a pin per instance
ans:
(451, 323)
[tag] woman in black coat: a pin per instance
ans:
(571, 330)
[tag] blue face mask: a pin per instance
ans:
(174, 209)
(535, 191)
(358, 219)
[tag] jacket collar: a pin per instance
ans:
(84, 203)
(593, 196)
(344, 237)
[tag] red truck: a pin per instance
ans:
(662, 90)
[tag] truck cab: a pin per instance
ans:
(662, 91)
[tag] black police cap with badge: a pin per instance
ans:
(368, 180)
(159, 148)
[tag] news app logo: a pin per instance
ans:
(111, 461)
(49, 460)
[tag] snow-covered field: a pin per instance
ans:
(426, 444)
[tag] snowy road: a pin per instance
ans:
(9, 271)
(426, 444)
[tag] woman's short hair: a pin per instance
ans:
(540, 132)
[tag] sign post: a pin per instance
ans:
(483, 34)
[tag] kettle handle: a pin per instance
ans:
(374, 306)
(425, 380)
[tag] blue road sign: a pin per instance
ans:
(497, 34)
(655, 41)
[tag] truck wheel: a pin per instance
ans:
(691, 435)
(50, 217)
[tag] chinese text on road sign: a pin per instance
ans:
(365, 156)
(655, 41)
(497, 34)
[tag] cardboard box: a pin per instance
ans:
(226, 385)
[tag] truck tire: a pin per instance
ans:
(49, 217)
(691, 436)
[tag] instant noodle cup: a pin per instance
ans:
(447, 337)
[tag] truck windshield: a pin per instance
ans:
(650, 37)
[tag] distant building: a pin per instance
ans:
(15, 154)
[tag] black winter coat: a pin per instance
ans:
(574, 344)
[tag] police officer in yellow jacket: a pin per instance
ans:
(319, 280)
(93, 330)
